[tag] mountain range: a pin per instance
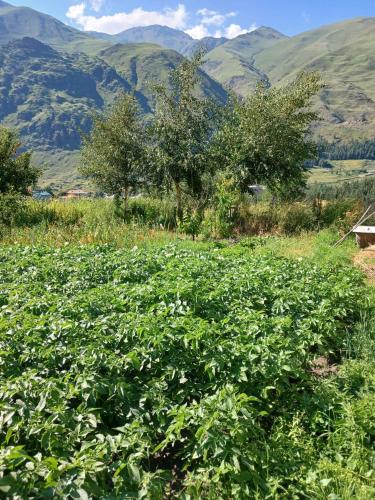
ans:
(53, 77)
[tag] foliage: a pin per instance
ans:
(297, 218)
(11, 206)
(175, 373)
(191, 223)
(220, 221)
(114, 152)
(92, 221)
(96, 221)
(16, 173)
(265, 140)
(352, 150)
(181, 131)
(362, 190)
(294, 218)
(153, 212)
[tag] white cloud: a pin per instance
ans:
(212, 17)
(177, 18)
(113, 24)
(76, 11)
(96, 5)
(198, 32)
(218, 19)
(234, 30)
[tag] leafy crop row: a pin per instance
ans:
(153, 373)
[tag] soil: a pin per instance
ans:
(321, 367)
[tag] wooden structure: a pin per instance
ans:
(361, 239)
(365, 236)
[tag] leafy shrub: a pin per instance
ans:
(152, 212)
(341, 213)
(166, 372)
(295, 218)
(257, 219)
(11, 205)
(191, 223)
(226, 205)
(219, 220)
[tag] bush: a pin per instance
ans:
(11, 205)
(341, 213)
(257, 218)
(296, 218)
(152, 212)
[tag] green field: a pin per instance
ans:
(343, 170)
(186, 370)
(138, 363)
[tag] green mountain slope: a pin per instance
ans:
(19, 22)
(141, 64)
(49, 96)
(232, 63)
(344, 54)
(207, 44)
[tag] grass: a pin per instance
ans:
(319, 247)
(343, 170)
(91, 221)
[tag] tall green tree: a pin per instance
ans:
(17, 174)
(181, 130)
(265, 138)
(114, 152)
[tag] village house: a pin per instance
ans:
(77, 193)
(42, 195)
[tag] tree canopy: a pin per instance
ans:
(114, 152)
(181, 131)
(17, 174)
(265, 138)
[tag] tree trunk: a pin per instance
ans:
(178, 200)
(126, 201)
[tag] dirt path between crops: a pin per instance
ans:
(365, 260)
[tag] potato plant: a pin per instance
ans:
(166, 372)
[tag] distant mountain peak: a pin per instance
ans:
(156, 27)
(161, 35)
(266, 31)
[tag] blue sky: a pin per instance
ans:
(202, 17)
